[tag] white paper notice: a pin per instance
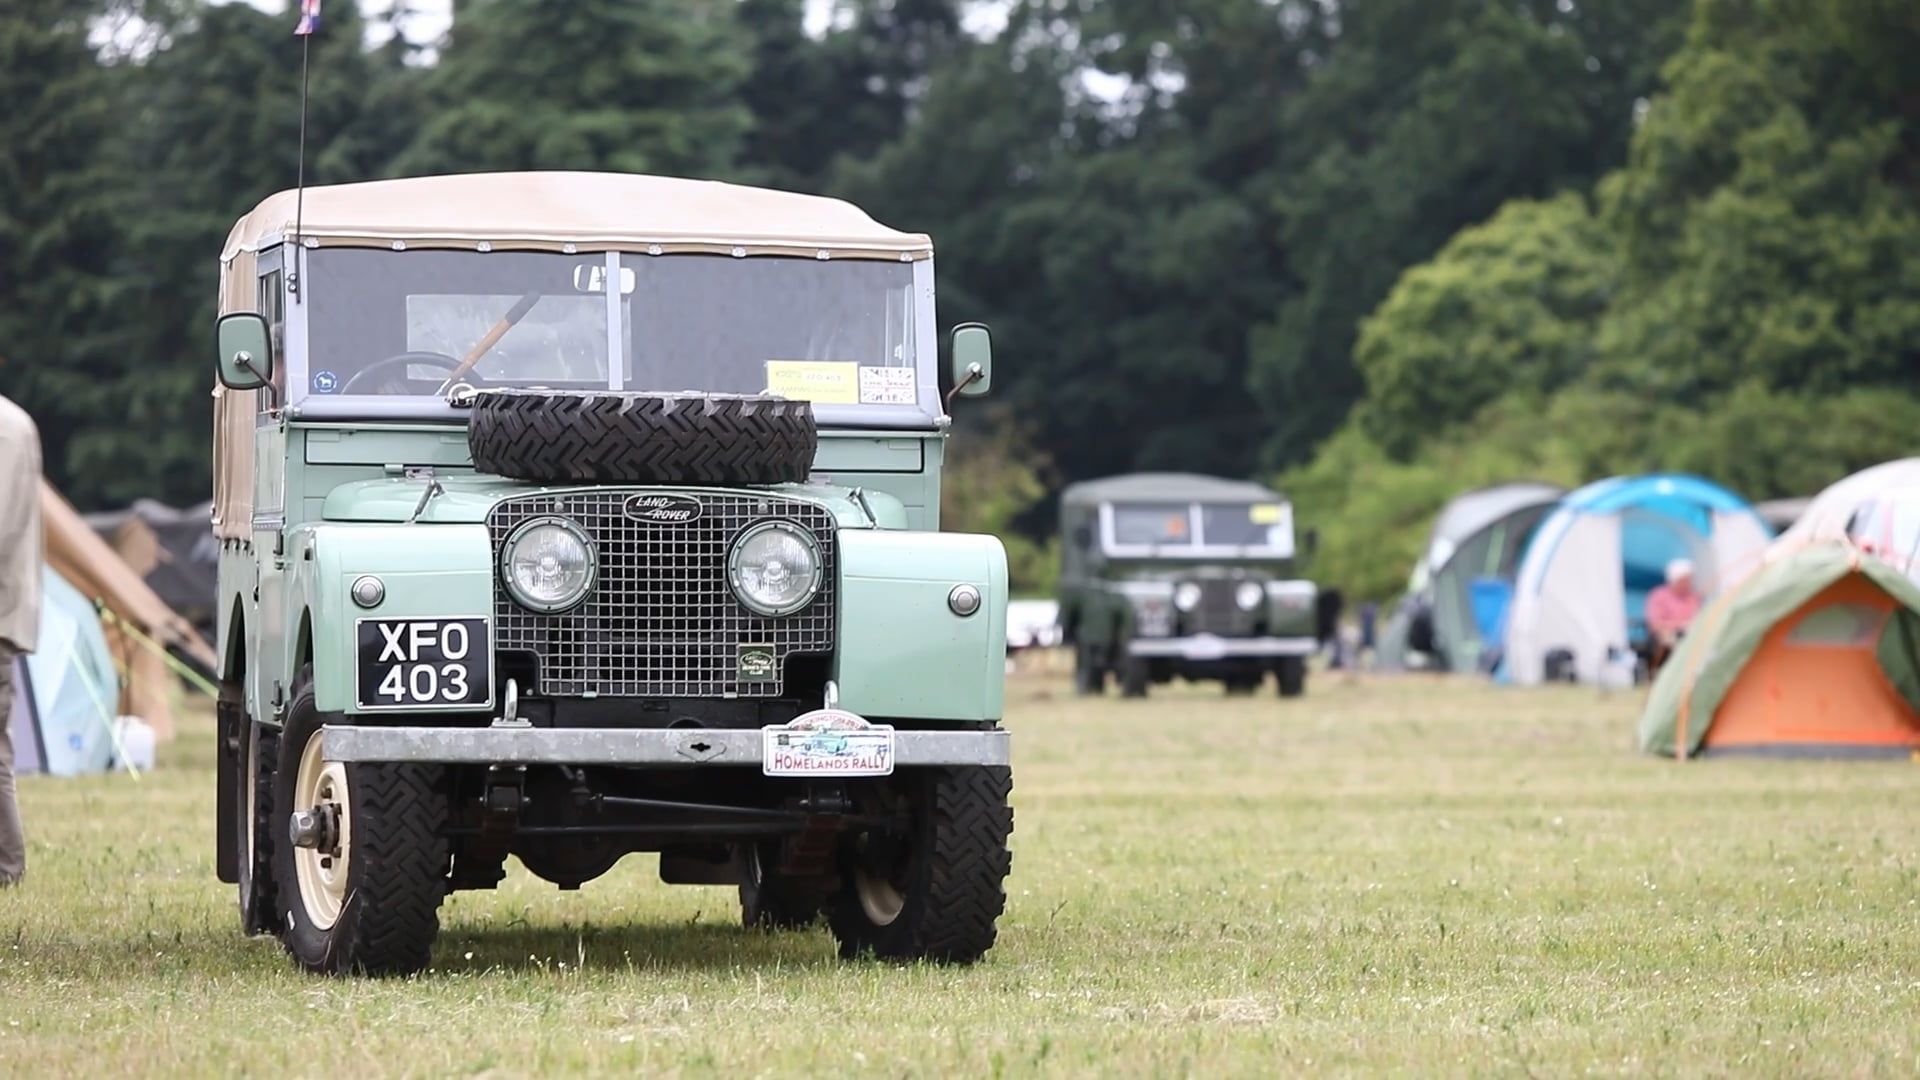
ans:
(888, 386)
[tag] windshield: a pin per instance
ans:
(1264, 526)
(1242, 525)
(398, 324)
(1171, 523)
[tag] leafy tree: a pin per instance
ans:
(208, 124)
(1769, 213)
(992, 481)
(58, 330)
(849, 93)
(1426, 116)
(1507, 307)
(621, 85)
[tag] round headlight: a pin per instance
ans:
(548, 565)
(775, 568)
(1249, 595)
(1187, 596)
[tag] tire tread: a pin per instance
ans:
(642, 438)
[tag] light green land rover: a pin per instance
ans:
(1177, 575)
(565, 516)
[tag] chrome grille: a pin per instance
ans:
(1216, 613)
(662, 621)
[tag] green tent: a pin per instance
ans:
(1816, 654)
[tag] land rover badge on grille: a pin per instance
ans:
(663, 509)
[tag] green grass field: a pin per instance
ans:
(1387, 876)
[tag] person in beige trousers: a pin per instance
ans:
(22, 551)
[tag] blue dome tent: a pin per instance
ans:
(1582, 586)
(65, 691)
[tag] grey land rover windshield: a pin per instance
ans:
(385, 331)
(1262, 529)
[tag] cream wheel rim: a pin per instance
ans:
(322, 873)
(879, 898)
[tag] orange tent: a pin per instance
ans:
(1817, 654)
(79, 555)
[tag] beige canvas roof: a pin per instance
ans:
(548, 211)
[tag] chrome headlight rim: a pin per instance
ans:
(1186, 595)
(519, 535)
(797, 531)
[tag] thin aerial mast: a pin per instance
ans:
(309, 22)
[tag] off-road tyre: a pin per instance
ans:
(259, 904)
(397, 862)
(769, 901)
(1291, 674)
(1089, 673)
(950, 876)
(1134, 677)
(618, 437)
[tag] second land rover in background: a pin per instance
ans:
(1167, 575)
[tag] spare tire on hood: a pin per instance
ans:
(618, 437)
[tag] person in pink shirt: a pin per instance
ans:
(1672, 606)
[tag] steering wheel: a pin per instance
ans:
(372, 372)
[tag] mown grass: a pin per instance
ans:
(1386, 877)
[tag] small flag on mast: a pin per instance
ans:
(309, 17)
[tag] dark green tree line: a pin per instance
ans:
(1396, 234)
(1741, 299)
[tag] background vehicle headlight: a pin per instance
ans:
(548, 565)
(1187, 596)
(775, 568)
(1249, 595)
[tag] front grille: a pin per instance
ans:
(1216, 613)
(662, 621)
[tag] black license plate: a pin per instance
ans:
(424, 664)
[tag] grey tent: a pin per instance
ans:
(174, 550)
(1477, 538)
(1780, 514)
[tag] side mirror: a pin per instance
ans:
(1083, 536)
(246, 351)
(1310, 540)
(972, 361)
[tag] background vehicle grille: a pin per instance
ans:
(662, 620)
(1217, 613)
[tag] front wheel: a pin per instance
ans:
(1134, 677)
(361, 871)
(1292, 676)
(1089, 673)
(259, 747)
(936, 892)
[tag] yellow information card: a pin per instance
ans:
(824, 382)
(1265, 514)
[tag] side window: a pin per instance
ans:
(273, 307)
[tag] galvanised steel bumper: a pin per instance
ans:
(515, 745)
(1212, 647)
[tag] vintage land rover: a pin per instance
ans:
(569, 515)
(1167, 575)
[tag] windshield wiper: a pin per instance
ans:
(507, 322)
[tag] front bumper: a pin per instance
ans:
(1213, 647)
(507, 745)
